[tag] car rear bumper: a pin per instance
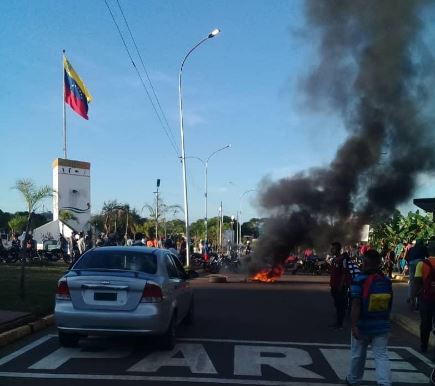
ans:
(146, 319)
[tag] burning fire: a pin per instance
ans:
(267, 275)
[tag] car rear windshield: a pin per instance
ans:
(124, 260)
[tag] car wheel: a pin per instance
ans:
(68, 340)
(190, 317)
(167, 341)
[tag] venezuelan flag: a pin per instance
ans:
(76, 94)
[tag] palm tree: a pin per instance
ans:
(17, 224)
(109, 208)
(32, 196)
(161, 212)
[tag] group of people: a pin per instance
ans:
(176, 245)
(365, 291)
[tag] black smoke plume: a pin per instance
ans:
(371, 70)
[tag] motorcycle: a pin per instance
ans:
(10, 256)
(51, 252)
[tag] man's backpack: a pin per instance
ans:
(377, 297)
(428, 293)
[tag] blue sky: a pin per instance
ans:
(240, 88)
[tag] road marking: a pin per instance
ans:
(24, 349)
(265, 342)
(271, 342)
(106, 377)
(339, 360)
(249, 357)
(64, 354)
(420, 356)
(248, 361)
(194, 357)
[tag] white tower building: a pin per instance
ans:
(72, 191)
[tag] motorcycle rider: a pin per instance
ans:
(248, 247)
(15, 247)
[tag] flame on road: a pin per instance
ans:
(268, 275)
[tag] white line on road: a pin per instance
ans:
(420, 356)
(268, 342)
(106, 377)
(24, 349)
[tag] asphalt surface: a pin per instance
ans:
(244, 333)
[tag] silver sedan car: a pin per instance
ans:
(123, 290)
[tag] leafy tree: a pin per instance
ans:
(17, 224)
(252, 227)
(160, 216)
(4, 219)
(32, 196)
(399, 228)
(108, 211)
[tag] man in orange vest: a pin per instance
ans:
(424, 286)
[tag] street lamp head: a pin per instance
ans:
(213, 33)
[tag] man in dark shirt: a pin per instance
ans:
(339, 282)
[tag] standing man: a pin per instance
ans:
(424, 286)
(372, 297)
(339, 282)
(416, 254)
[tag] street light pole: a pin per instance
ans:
(205, 164)
(240, 212)
(157, 208)
(206, 191)
(183, 154)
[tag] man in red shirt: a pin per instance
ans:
(339, 282)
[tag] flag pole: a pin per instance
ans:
(64, 109)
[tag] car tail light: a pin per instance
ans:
(62, 291)
(152, 293)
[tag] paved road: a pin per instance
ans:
(244, 334)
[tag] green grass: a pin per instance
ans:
(40, 287)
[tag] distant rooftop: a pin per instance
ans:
(427, 204)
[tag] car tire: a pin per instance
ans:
(168, 340)
(68, 340)
(190, 317)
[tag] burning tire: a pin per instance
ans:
(217, 279)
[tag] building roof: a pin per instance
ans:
(71, 163)
(427, 204)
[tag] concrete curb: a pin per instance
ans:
(17, 333)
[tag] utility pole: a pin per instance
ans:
(220, 227)
(157, 208)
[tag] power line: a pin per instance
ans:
(146, 72)
(171, 140)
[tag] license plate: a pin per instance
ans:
(105, 296)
